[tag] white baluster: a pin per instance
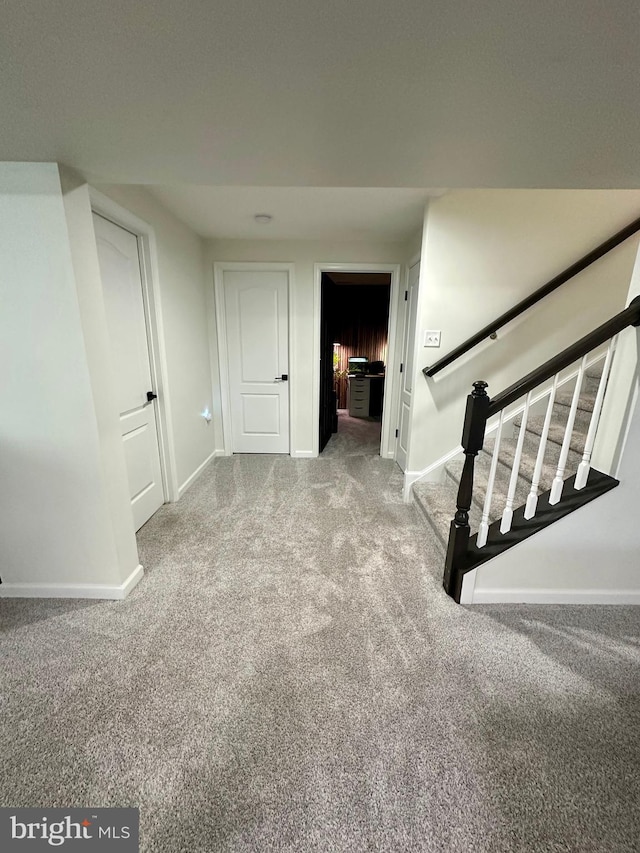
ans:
(507, 515)
(532, 499)
(585, 465)
(483, 530)
(558, 482)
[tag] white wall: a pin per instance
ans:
(414, 245)
(184, 284)
(620, 393)
(59, 533)
(483, 251)
(303, 255)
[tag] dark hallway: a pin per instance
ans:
(354, 337)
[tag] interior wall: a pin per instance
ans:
(56, 520)
(303, 255)
(413, 246)
(184, 297)
(620, 393)
(483, 251)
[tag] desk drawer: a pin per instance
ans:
(359, 393)
(359, 411)
(359, 388)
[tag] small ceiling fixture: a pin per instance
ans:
(263, 218)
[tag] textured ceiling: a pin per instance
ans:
(362, 93)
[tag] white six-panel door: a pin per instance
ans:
(124, 306)
(408, 349)
(257, 332)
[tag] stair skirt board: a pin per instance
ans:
(433, 474)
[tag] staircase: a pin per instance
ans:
(512, 486)
(437, 501)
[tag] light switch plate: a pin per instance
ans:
(432, 338)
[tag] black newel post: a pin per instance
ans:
(475, 421)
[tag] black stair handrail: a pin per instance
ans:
(629, 317)
(536, 296)
(480, 408)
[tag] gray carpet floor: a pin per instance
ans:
(289, 676)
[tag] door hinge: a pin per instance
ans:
(401, 367)
(396, 433)
(406, 295)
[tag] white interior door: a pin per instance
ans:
(257, 331)
(124, 305)
(408, 351)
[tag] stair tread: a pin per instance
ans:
(588, 390)
(437, 504)
(557, 427)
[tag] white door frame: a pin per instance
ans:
(109, 209)
(404, 330)
(387, 438)
(219, 268)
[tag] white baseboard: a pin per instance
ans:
(303, 454)
(183, 488)
(69, 590)
(555, 596)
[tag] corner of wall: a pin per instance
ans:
(54, 472)
(88, 282)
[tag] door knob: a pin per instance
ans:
(151, 396)
(282, 378)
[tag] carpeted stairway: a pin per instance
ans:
(437, 501)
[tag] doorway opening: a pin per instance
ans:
(354, 355)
